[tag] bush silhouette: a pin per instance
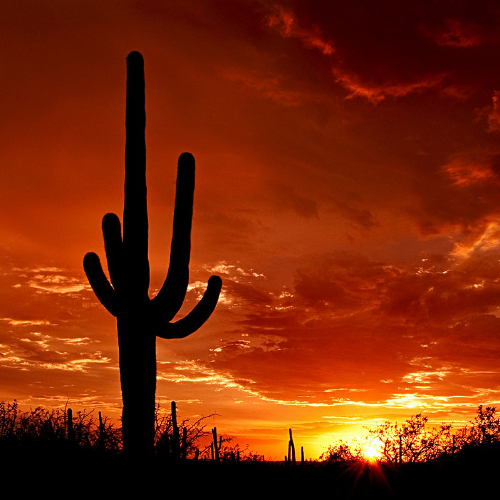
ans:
(47, 430)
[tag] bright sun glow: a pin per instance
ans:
(371, 453)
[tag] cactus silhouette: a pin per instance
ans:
(140, 319)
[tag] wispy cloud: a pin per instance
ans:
(380, 91)
(464, 173)
(26, 322)
(287, 24)
(57, 283)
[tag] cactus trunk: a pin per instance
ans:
(216, 446)
(141, 319)
(138, 384)
(291, 449)
(102, 437)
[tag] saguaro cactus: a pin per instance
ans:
(291, 449)
(140, 319)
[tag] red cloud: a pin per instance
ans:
(287, 24)
(465, 173)
(378, 92)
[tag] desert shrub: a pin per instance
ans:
(235, 453)
(40, 426)
(343, 452)
(168, 440)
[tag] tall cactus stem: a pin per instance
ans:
(70, 430)
(291, 449)
(216, 446)
(140, 319)
(101, 432)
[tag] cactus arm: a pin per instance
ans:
(113, 245)
(195, 319)
(135, 212)
(171, 296)
(99, 283)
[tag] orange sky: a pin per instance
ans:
(348, 193)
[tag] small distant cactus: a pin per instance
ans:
(216, 446)
(291, 449)
(141, 319)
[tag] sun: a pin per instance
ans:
(371, 453)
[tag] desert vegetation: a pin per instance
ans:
(412, 457)
(393, 443)
(62, 430)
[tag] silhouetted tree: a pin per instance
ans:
(412, 441)
(141, 319)
(483, 430)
